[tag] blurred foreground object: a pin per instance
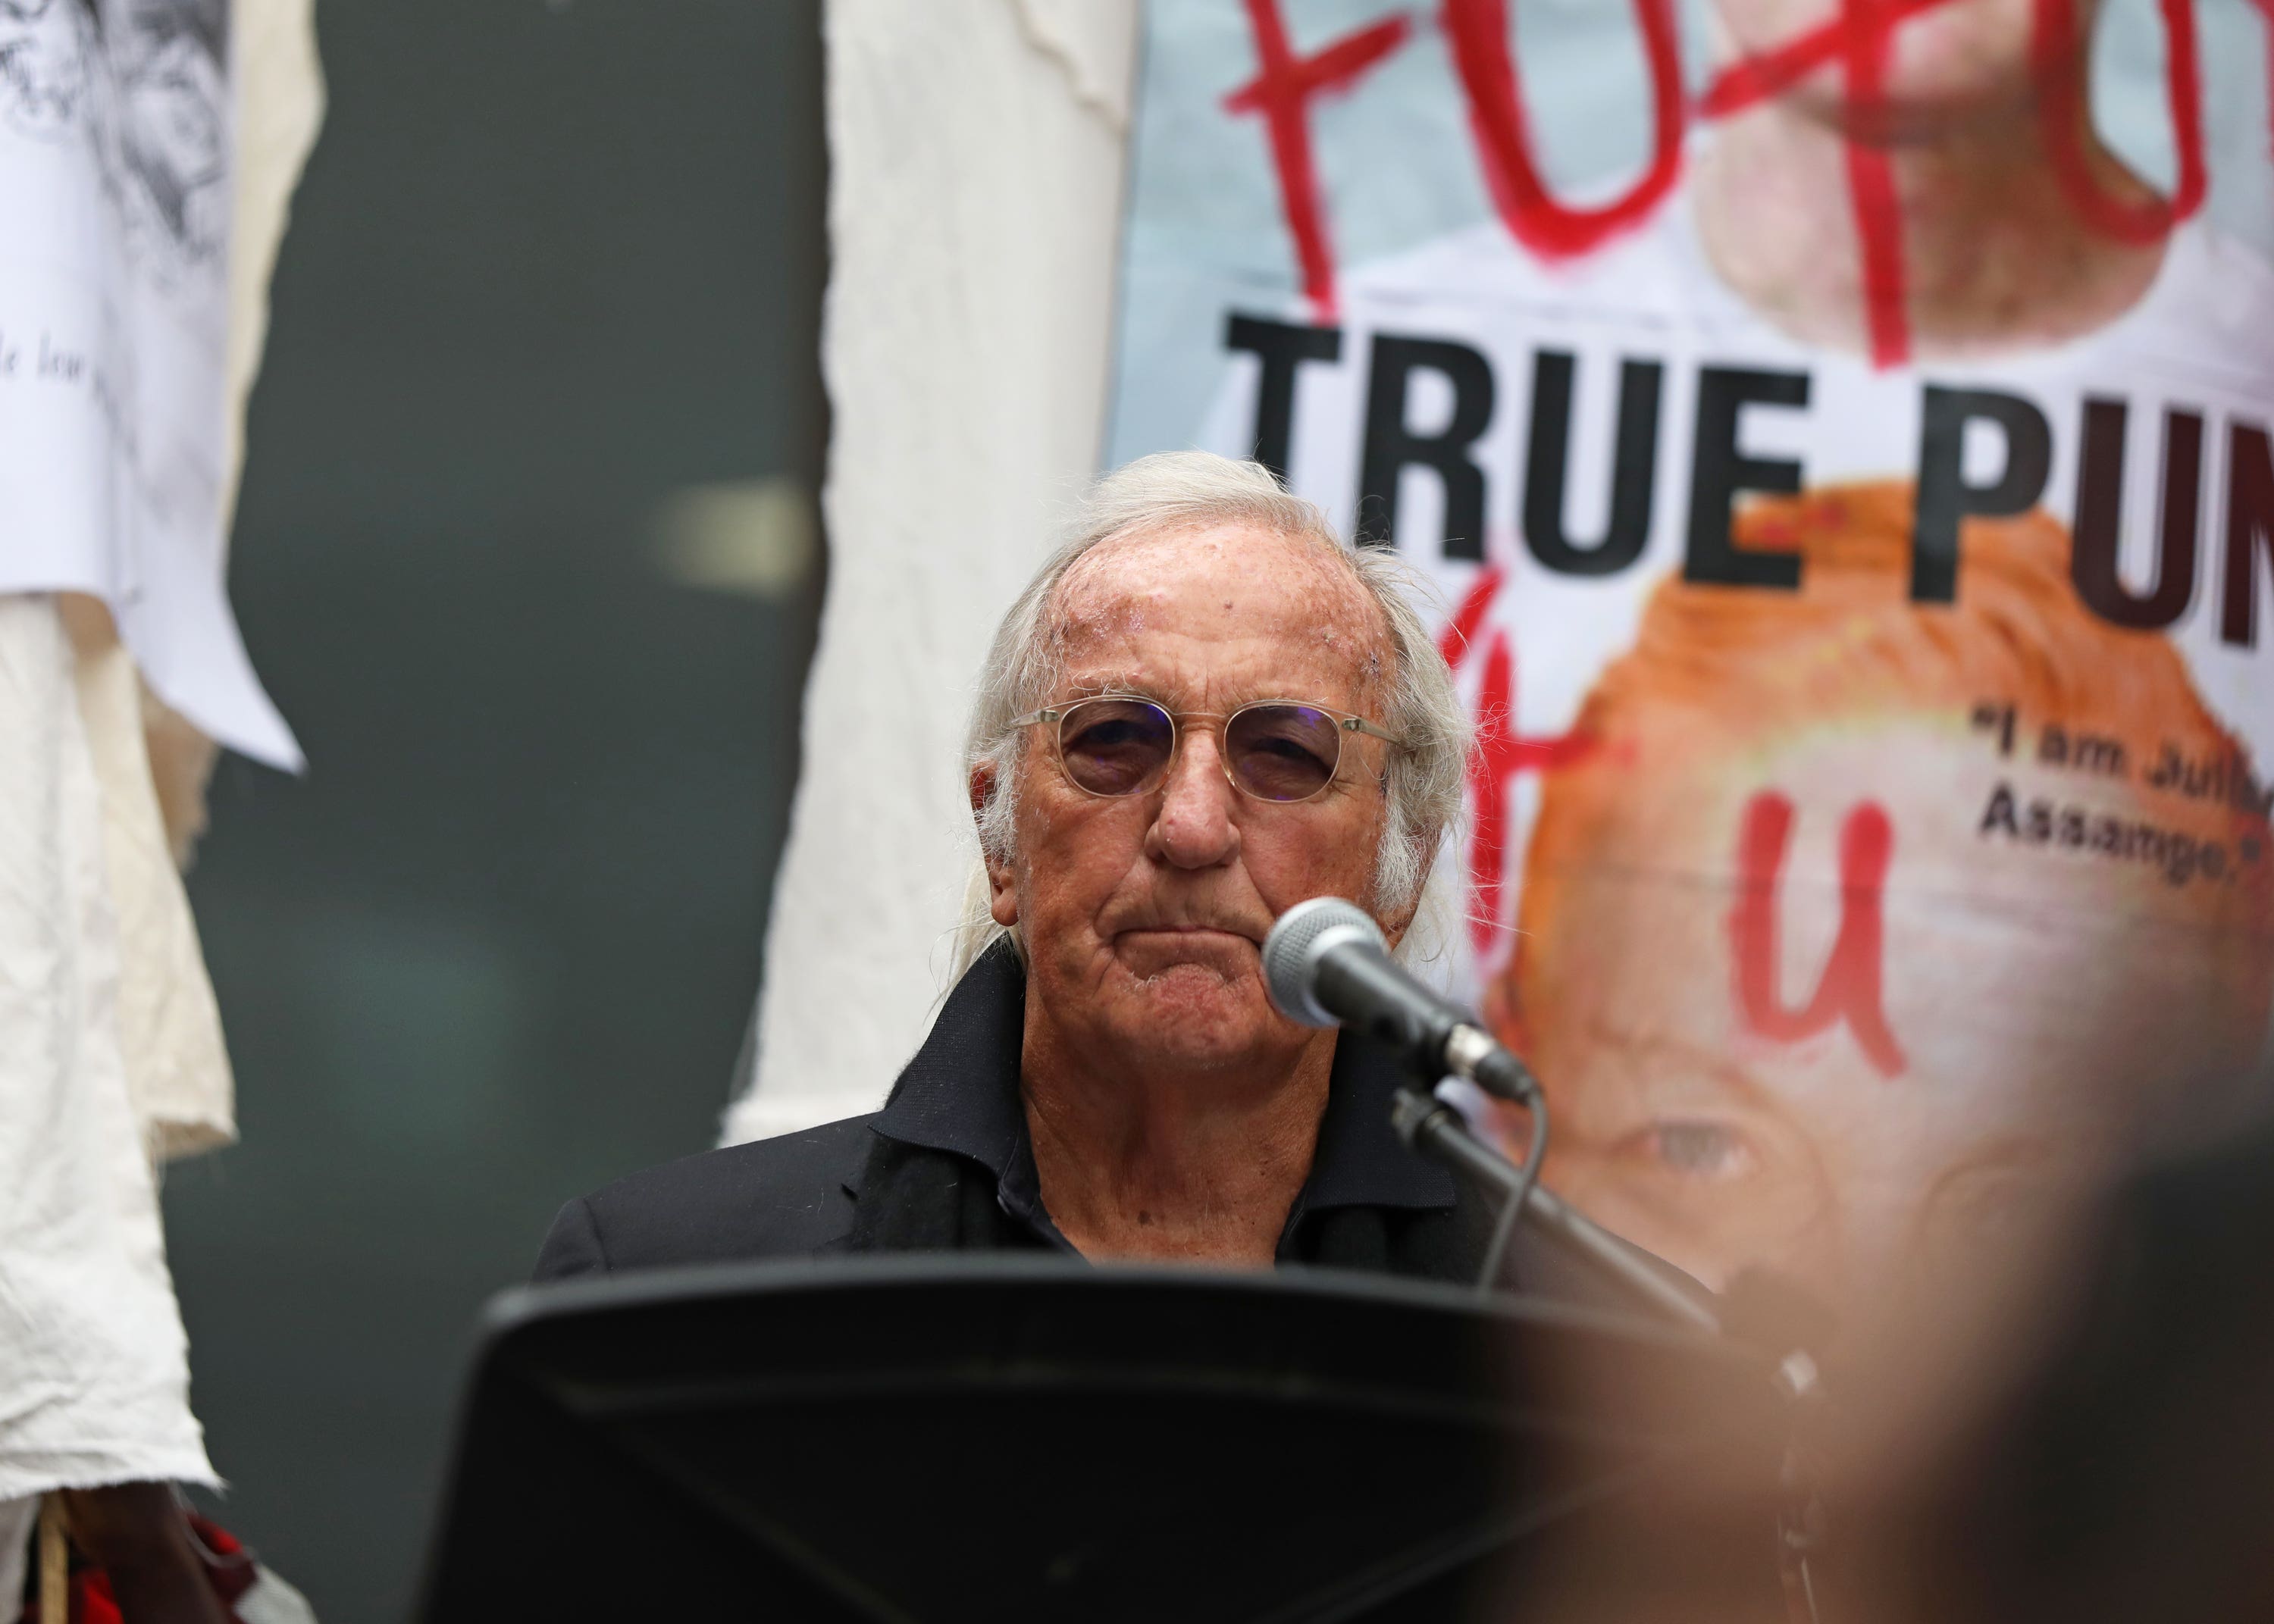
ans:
(2074, 1428)
(2125, 1470)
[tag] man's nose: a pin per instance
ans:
(1195, 828)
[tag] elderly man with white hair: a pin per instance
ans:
(1204, 709)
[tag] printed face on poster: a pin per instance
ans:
(1843, 438)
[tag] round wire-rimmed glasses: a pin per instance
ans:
(1274, 749)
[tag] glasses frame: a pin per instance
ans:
(1346, 722)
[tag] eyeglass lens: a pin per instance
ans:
(1275, 752)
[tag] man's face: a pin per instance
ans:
(1954, 58)
(1144, 915)
(2041, 1001)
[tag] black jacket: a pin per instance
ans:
(947, 1166)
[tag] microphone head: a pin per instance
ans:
(1292, 953)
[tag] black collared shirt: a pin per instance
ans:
(954, 1165)
(947, 1166)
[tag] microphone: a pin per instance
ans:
(1326, 964)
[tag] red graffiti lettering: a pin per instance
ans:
(1499, 757)
(1851, 985)
(1773, 72)
(1478, 33)
(1468, 619)
(2056, 49)
(1282, 91)
(1871, 187)
(2266, 13)
(1860, 41)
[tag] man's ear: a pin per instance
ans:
(1395, 925)
(1002, 896)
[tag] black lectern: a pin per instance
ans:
(925, 1438)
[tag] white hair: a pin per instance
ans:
(1182, 491)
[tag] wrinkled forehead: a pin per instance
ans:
(1258, 603)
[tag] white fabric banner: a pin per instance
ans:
(976, 167)
(97, 1372)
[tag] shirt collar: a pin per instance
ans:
(960, 1094)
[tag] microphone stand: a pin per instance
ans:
(1434, 1129)
(1442, 1133)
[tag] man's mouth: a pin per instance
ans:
(1194, 931)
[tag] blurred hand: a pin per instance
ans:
(137, 1533)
